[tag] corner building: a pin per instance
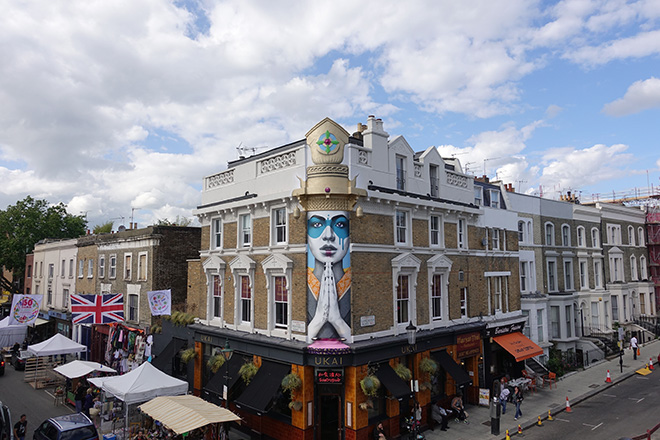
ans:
(340, 257)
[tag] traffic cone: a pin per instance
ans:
(650, 363)
(568, 405)
(520, 430)
(550, 416)
(507, 435)
(608, 379)
(638, 352)
(539, 423)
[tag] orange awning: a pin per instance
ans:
(519, 345)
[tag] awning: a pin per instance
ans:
(450, 366)
(182, 414)
(81, 368)
(217, 381)
(394, 384)
(261, 391)
(40, 321)
(164, 360)
(519, 345)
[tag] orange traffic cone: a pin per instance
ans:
(608, 379)
(507, 435)
(650, 363)
(638, 352)
(520, 430)
(539, 423)
(568, 405)
(550, 416)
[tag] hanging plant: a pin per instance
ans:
(403, 372)
(428, 366)
(291, 382)
(370, 385)
(366, 405)
(295, 405)
(188, 355)
(156, 329)
(247, 372)
(216, 362)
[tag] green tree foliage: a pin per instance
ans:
(30, 220)
(105, 228)
(178, 221)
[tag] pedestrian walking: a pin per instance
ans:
(504, 396)
(633, 346)
(20, 428)
(518, 398)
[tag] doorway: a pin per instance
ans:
(330, 417)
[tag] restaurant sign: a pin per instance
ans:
(468, 345)
(329, 376)
(505, 329)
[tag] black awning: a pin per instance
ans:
(263, 386)
(451, 367)
(165, 359)
(217, 381)
(394, 384)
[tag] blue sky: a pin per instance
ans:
(114, 106)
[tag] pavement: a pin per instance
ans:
(576, 386)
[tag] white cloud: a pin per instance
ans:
(640, 96)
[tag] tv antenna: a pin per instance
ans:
(244, 150)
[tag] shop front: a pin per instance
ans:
(505, 349)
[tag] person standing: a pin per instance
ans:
(504, 396)
(517, 398)
(79, 396)
(633, 346)
(88, 402)
(20, 428)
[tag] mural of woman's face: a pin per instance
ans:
(328, 235)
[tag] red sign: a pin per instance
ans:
(468, 345)
(330, 376)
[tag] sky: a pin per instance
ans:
(118, 109)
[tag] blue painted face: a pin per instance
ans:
(328, 235)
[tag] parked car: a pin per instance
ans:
(69, 427)
(18, 359)
(6, 428)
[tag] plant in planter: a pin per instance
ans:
(188, 355)
(370, 385)
(291, 382)
(403, 372)
(247, 372)
(216, 362)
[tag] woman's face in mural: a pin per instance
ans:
(328, 235)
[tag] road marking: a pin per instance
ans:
(561, 420)
(608, 395)
(591, 426)
(597, 426)
(641, 399)
(633, 398)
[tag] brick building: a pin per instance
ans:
(324, 256)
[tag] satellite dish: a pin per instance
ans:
(121, 228)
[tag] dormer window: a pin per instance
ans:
(433, 178)
(400, 173)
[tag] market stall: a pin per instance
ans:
(139, 385)
(184, 414)
(39, 370)
(74, 370)
(11, 334)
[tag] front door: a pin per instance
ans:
(330, 416)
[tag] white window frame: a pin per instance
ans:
(216, 281)
(598, 274)
(245, 235)
(463, 298)
(279, 227)
(101, 266)
(549, 233)
(643, 268)
(495, 239)
(633, 268)
(49, 295)
(216, 233)
(540, 327)
(142, 272)
(434, 180)
(595, 238)
(615, 307)
(641, 239)
(63, 269)
(494, 198)
(569, 284)
(581, 238)
(214, 267)
(478, 195)
(614, 234)
(71, 267)
(400, 172)
(565, 235)
(51, 270)
(81, 268)
(65, 299)
(128, 266)
(112, 267)
(631, 236)
(241, 266)
(583, 273)
(135, 295)
(90, 268)
(438, 232)
(527, 277)
(462, 233)
(551, 271)
(439, 265)
(409, 265)
(278, 265)
(497, 286)
(406, 229)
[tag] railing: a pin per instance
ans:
(650, 323)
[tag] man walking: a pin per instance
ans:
(20, 428)
(633, 346)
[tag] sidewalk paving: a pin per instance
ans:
(577, 386)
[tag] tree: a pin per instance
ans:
(29, 221)
(178, 221)
(104, 228)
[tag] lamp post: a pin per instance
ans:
(411, 330)
(412, 333)
(227, 353)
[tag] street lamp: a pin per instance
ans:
(227, 353)
(412, 333)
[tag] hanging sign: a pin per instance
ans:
(25, 309)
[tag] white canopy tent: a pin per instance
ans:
(58, 344)
(78, 368)
(11, 334)
(144, 383)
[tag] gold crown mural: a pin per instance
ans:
(327, 187)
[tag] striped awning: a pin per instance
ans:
(185, 413)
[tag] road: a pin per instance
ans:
(626, 409)
(21, 398)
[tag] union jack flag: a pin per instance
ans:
(97, 309)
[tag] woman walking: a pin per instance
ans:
(518, 398)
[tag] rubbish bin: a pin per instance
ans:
(495, 416)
